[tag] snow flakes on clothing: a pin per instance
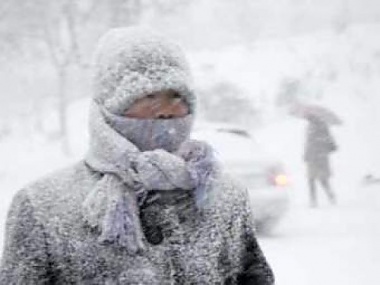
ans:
(128, 175)
(131, 63)
(169, 235)
(47, 241)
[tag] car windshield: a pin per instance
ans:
(245, 150)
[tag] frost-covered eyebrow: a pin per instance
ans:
(171, 93)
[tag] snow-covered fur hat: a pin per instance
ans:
(130, 63)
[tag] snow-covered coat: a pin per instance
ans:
(49, 239)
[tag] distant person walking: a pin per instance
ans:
(319, 145)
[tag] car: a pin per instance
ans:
(249, 163)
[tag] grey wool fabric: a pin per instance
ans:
(138, 209)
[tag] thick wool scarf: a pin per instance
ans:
(127, 174)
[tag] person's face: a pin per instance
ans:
(166, 104)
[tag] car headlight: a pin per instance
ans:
(281, 180)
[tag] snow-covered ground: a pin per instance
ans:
(328, 245)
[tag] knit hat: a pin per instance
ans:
(131, 63)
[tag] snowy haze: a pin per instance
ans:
(325, 52)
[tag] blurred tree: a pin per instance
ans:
(343, 17)
(124, 12)
(165, 7)
(308, 87)
(289, 93)
(226, 102)
(61, 32)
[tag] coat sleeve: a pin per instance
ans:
(24, 259)
(256, 270)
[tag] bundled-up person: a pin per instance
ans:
(319, 145)
(146, 205)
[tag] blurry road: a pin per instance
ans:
(328, 245)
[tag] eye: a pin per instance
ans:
(176, 95)
(151, 96)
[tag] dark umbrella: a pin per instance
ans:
(322, 113)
